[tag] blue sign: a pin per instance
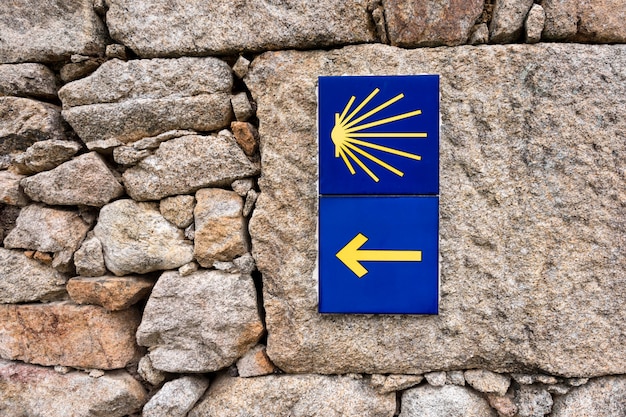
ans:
(379, 135)
(378, 254)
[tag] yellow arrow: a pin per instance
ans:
(352, 255)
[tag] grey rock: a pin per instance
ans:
(156, 96)
(486, 381)
(515, 184)
(534, 24)
(449, 400)
(436, 379)
(385, 384)
(188, 269)
(255, 363)
(176, 397)
(218, 28)
(88, 259)
(242, 107)
(250, 201)
(455, 378)
(10, 191)
(154, 142)
(29, 390)
(245, 263)
(479, 34)
(225, 266)
(178, 209)
(116, 51)
(105, 146)
(293, 395)
(508, 20)
(51, 31)
(601, 397)
(524, 379)
(85, 180)
(23, 279)
(136, 238)
(27, 80)
(185, 333)
(127, 155)
(45, 155)
(240, 69)
(76, 70)
(186, 164)
(558, 389)
(151, 375)
(242, 186)
(577, 382)
(532, 401)
(596, 21)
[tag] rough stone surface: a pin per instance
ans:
(246, 136)
(531, 275)
(148, 373)
(127, 155)
(241, 67)
(85, 180)
(251, 199)
(589, 21)
(8, 216)
(601, 397)
(255, 363)
(532, 401)
(24, 121)
(136, 238)
(76, 70)
(455, 378)
(27, 80)
(385, 384)
(293, 395)
(449, 400)
(186, 164)
(479, 35)
(486, 381)
(436, 379)
(157, 95)
(45, 155)
(534, 24)
(176, 397)
(508, 20)
(10, 191)
(61, 333)
(242, 186)
(504, 405)
(116, 51)
(220, 226)
(430, 23)
(154, 142)
(241, 107)
(186, 333)
(178, 209)
(222, 27)
(23, 279)
(112, 293)
(49, 31)
(88, 259)
(29, 390)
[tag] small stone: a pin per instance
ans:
(436, 379)
(220, 226)
(558, 389)
(245, 263)
(112, 293)
(246, 136)
(43, 257)
(62, 369)
(524, 379)
(250, 201)
(10, 191)
(241, 67)
(178, 210)
(534, 24)
(96, 373)
(384, 384)
(45, 155)
(577, 382)
(546, 379)
(226, 267)
(455, 378)
(128, 155)
(601, 397)
(84, 180)
(479, 34)
(255, 363)
(242, 107)
(448, 400)
(595, 21)
(488, 382)
(78, 58)
(116, 50)
(508, 20)
(532, 401)
(76, 70)
(188, 269)
(154, 142)
(176, 397)
(105, 146)
(190, 232)
(148, 372)
(504, 405)
(88, 259)
(28, 80)
(242, 186)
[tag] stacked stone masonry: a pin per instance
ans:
(158, 210)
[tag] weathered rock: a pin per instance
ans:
(241, 67)
(534, 24)
(176, 397)
(515, 184)
(116, 51)
(251, 198)
(479, 34)
(504, 405)
(112, 293)
(88, 259)
(51, 31)
(127, 155)
(85, 180)
(430, 23)
(10, 191)
(246, 136)
(436, 379)
(221, 27)
(508, 20)
(178, 209)
(242, 186)
(27, 80)
(601, 397)
(76, 70)
(136, 238)
(220, 226)
(255, 363)
(245, 263)
(48, 229)
(532, 401)
(29, 390)
(293, 395)
(455, 378)
(148, 373)
(241, 107)
(24, 121)
(594, 21)
(486, 381)
(186, 333)
(23, 279)
(61, 333)
(188, 269)
(385, 384)
(154, 142)
(156, 96)
(45, 155)
(8, 216)
(186, 164)
(449, 400)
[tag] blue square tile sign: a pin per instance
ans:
(379, 135)
(378, 254)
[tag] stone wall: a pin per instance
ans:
(158, 210)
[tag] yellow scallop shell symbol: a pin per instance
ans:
(347, 130)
